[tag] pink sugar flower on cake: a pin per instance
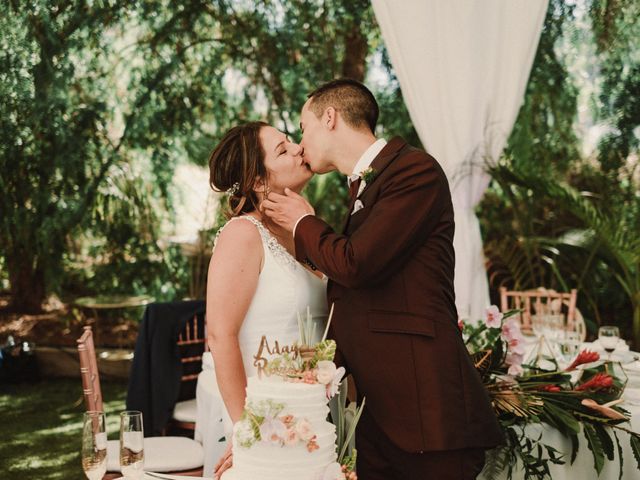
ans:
(291, 437)
(334, 385)
(304, 430)
(326, 371)
(287, 420)
(312, 445)
(309, 376)
(273, 430)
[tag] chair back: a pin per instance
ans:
(89, 371)
(543, 301)
(192, 343)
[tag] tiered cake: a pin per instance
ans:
(284, 433)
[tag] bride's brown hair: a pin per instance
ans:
(235, 165)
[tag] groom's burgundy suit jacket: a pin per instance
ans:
(395, 321)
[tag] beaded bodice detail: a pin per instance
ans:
(282, 256)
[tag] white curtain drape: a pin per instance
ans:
(463, 67)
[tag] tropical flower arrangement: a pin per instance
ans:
(584, 397)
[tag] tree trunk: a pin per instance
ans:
(27, 281)
(356, 48)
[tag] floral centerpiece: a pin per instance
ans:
(524, 394)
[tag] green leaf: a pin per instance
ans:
(575, 445)
(620, 455)
(605, 440)
(352, 431)
(635, 448)
(594, 444)
(561, 419)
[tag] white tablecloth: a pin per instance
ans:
(213, 426)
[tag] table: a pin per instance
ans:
(110, 302)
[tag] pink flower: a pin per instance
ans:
(493, 317)
(312, 445)
(334, 385)
(272, 430)
(304, 429)
(291, 437)
(309, 376)
(515, 370)
(511, 330)
(326, 371)
(516, 345)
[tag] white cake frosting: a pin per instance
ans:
(267, 461)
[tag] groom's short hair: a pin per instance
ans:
(352, 99)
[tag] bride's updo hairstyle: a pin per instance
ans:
(235, 165)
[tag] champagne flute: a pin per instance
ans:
(608, 336)
(131, 445)
(569, 345)
(94, 445)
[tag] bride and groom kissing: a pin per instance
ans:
(388, 273)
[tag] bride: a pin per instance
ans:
(255, 286)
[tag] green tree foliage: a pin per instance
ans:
(552, 218)
(99, 100)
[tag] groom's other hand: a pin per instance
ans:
(286, 210)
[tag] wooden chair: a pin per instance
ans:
(542, 301)
(174, 455)
(192, 343)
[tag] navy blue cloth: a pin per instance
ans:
(154, 380)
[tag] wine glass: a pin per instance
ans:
(131, 445)
(94, 445)
(608, 336)
(537, 325)
(569, 343)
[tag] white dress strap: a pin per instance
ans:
(280, 253)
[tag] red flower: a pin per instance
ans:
(550, 388)
(583, 357)
(461, 325)
(598, 382)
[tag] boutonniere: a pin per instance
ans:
(368, 175)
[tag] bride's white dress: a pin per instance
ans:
(285, 290)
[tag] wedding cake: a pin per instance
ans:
(284, 433)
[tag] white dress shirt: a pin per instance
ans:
(365, 160)
(361, 165)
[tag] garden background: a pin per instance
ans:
(109, 110)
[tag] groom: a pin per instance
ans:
(391, 269)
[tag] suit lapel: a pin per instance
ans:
(382, 161)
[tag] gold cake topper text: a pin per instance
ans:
(260, 360)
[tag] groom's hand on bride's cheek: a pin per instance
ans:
(286, 209)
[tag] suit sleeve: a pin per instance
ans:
(408, 209)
